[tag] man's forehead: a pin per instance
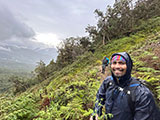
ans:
(118, 58)
(118, 61)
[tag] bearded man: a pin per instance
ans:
(124, 97)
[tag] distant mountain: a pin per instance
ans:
(15, 56)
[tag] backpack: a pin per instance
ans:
(105, 61)
(130, 97)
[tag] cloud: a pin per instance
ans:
(49, 39)
(60, 18)
(11, 27)
(5, 49)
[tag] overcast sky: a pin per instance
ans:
(33, 22)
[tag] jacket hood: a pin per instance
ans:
(126, 78)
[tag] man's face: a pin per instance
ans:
(119, 68)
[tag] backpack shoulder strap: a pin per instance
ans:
(134, 83)
(131, 96)
(109, 81)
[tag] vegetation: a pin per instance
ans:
(7, 77)
(66, 89)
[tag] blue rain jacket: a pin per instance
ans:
(117, 103)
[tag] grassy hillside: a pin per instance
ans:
(7, 73)
(70, 93)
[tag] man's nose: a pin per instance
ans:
(117, 65)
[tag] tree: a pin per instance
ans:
(51, 67)
(41, 71)
(85, 42)
(92, 30)
(69, 50)
(101, 24)
(145, 9)
(19, 84)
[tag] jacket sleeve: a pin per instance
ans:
(145, 106)
(100, 98)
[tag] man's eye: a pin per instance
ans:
(122, 63)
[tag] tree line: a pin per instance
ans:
(117, 21)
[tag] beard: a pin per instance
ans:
(119, 72)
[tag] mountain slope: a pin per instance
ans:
(14, 56)
(72, 90)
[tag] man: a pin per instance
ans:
(105, 63)
(124, 97)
